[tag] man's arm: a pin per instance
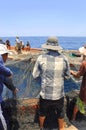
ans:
(79, 72)
(36, 71)
(9, 84)
(5, 71)
(67, 69)
(75, 74)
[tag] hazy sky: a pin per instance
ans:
(42, 17)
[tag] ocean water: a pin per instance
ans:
(70, 43)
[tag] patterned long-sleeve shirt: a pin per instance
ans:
(52, 67)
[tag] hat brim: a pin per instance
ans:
(50, 47)
(9, 52)
(82, 50)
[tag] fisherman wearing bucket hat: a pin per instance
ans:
(5, 78)
(81, 100)
(3, 49)
(52, 44)
(51, 67)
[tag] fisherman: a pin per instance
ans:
(1, 41)
(28, 46)
(5, 78)
(7, 43)
(22, 45)
(52, 67)
(81, 100)
(18, 45)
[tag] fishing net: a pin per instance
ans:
(21, 110)
(22, 78)
(22, 107)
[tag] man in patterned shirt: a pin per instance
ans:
(52, 67)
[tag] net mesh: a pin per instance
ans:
(22, 78)
(21, 110)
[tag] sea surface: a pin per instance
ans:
(70, 43)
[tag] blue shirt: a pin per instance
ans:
(4, 73)
(52, 68)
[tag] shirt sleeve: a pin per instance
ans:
(67, 69)
(9, 84)
(36, 71)
(5, 71)
(81, 70)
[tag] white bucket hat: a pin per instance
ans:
(82, 50)
(4, 50)
(52, 44)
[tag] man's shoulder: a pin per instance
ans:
(84, 62)
(42, 56)
(65, 57)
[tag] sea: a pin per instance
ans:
(69, 43)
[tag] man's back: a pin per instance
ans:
(52, 67)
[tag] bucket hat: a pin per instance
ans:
(82, 50)
(52, 44)
(3, 49)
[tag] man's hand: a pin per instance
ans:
(16, 90)
(75, 74)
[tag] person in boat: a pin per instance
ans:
(17, 39)
(5, 79)
(28, 46)
(7, 43)
(18, 45)
(52, 67)
(1, 41)
(22, 45)
(81, 100)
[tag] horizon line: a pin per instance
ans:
(42, 36)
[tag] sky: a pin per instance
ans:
(42, 18)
